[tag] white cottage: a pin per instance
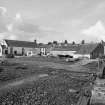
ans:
(20, 48)
(17, 47)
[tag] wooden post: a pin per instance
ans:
(85, 96)
(100, 66)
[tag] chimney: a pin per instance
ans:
(35, 41)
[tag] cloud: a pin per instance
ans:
(23, 31)
(18, 17)
(3, 19)
(18, 29)
(20, 25)
(9, 27)
(12, 36)
(3, 11)
(96, 31)
(27, 27)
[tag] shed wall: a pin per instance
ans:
(97, 52)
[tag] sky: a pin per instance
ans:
(48, 20)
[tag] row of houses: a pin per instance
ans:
(89, 50)
(21, 48)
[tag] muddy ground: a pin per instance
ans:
(42, 81)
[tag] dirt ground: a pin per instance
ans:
(42, 81)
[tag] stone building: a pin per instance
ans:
(21, 48)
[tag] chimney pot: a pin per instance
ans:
(35, 41)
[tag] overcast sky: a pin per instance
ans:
(48, 20)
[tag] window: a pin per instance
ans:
(15, 52)
(6, 51)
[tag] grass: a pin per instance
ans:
(92, 66)
(48, 59)
(22, 67)
(50, 90)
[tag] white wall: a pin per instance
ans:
(0, 50)
(43, 50)
(72, 53)
(62, 52)
(34, 51)
(104, 50)
(80, 55)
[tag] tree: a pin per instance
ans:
(83, 42)
(73, 43)
(66, 42)
(49, 43)
(55, 42)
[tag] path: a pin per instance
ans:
(85, 62)
(23, 81)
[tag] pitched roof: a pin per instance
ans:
(66, 48)
(17, 43)
(43, 46)
(80, 49)
(86, 48)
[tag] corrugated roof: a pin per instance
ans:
(87, 48)
(17, 43)
(44, 46)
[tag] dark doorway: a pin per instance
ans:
(15, 52)
(23, 51)
(6, 51)
(103, 73)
